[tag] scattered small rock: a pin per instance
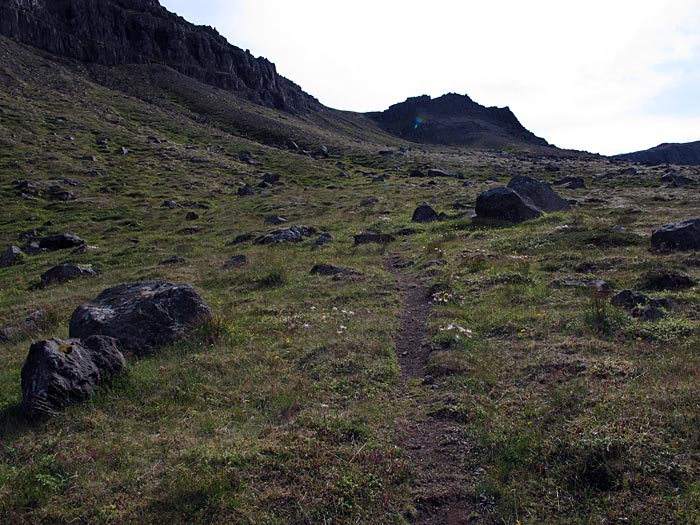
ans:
(666, 279)
(246, 191)
(424, 213)
(323, 239)
(176, 259)
(436, 172)
(369, 202)
(61, 241)
(329, 270)
(599, 285)
(275, 219)
(236, 261)
(65, 272)
(191, 216)
(10, 256)
(240, 239)
(291, 234)
(571, 183)
(373, 237)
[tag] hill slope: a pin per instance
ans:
(466, 371)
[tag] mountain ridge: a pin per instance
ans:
(116, 33)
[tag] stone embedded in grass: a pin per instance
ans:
(37, 320)
(630, 299)
(61, 241)
(373, 237)
(681, 236)
(539, 192)
(59, 372)
(10, 256)
(291, 234)
(191, 216)
(271, 178)
(436, 172)
(424, 213)
(330, 270)
(236, 261)
(275, 219)
(666, 279)
(66, 272)
(322, 240)
(170, 204)
(571, 183)
(142, 316)
(246, 191)
(176, 259)
(505, 204)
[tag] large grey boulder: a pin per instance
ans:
(505, 204)
(59, 372)
(681, 236)
(142, 316)
(540, 193)
(66, 272)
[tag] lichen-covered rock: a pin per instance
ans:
(142, 316)
(60, 372)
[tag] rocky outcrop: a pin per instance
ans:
(687, 154)
(60, 372)
(118, 32)
(141, 316)
(454, 120)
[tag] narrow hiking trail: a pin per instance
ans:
(433, 438)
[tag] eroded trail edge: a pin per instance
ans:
(433, 438)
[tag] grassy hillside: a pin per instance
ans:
(545, 404)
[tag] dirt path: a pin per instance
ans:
(433, 438)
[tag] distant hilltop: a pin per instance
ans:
(686, 154)
(455, 120)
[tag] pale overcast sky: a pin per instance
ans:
(607, 76)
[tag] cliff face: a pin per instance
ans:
(454, 120)
(117, 32)
(687, 154)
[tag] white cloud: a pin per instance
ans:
(578, 73)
